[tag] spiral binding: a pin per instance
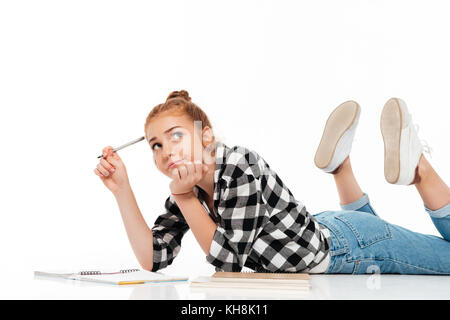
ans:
(89, 273)
(128, 270)
(93, 273)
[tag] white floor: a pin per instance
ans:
(322, 287)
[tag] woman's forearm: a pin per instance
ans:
(202, 226)
(139, 234)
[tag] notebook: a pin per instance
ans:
(254, 280)
(121, 277)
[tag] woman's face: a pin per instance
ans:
(173, 138)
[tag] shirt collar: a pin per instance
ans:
(221, 150)
(221, 154)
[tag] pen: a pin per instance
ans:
(125, 145)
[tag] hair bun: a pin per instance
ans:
(179, 94)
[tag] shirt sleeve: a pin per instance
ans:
(241, 221)
(168, 230)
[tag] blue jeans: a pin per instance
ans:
(362, 242)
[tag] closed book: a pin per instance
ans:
(254, 280)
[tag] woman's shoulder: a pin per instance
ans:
(240, 161)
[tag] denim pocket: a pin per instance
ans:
(338, 245)
(367, 228)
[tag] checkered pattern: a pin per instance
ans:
(260, 224)
(168, 230)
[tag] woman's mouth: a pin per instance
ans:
(173, 163)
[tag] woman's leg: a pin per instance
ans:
(350, 194)
(332, 155)
(433, 190)
(435, 195)
(363, 243)
(348, 188)
(404, 163)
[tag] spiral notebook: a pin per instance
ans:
(121, 277)
(254, 280)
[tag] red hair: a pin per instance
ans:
(179, 103)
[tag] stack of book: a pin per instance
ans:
(254, 280)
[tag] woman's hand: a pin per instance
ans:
(112, 171)
(185, 175)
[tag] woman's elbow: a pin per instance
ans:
(146, 265)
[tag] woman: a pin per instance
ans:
(242, 214)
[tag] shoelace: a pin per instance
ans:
(425, 145)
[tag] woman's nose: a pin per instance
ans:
(169, 153)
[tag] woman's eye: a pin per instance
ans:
(177, 133)
(156, 144)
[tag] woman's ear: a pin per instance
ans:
(208, 139)
(207, 136)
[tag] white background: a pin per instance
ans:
(76, 76)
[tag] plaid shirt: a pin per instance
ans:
(260, 225)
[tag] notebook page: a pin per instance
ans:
(141, 275)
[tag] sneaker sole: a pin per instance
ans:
(391, 128)
(339, 121)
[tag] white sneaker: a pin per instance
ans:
(402, 147)
(337, 137)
